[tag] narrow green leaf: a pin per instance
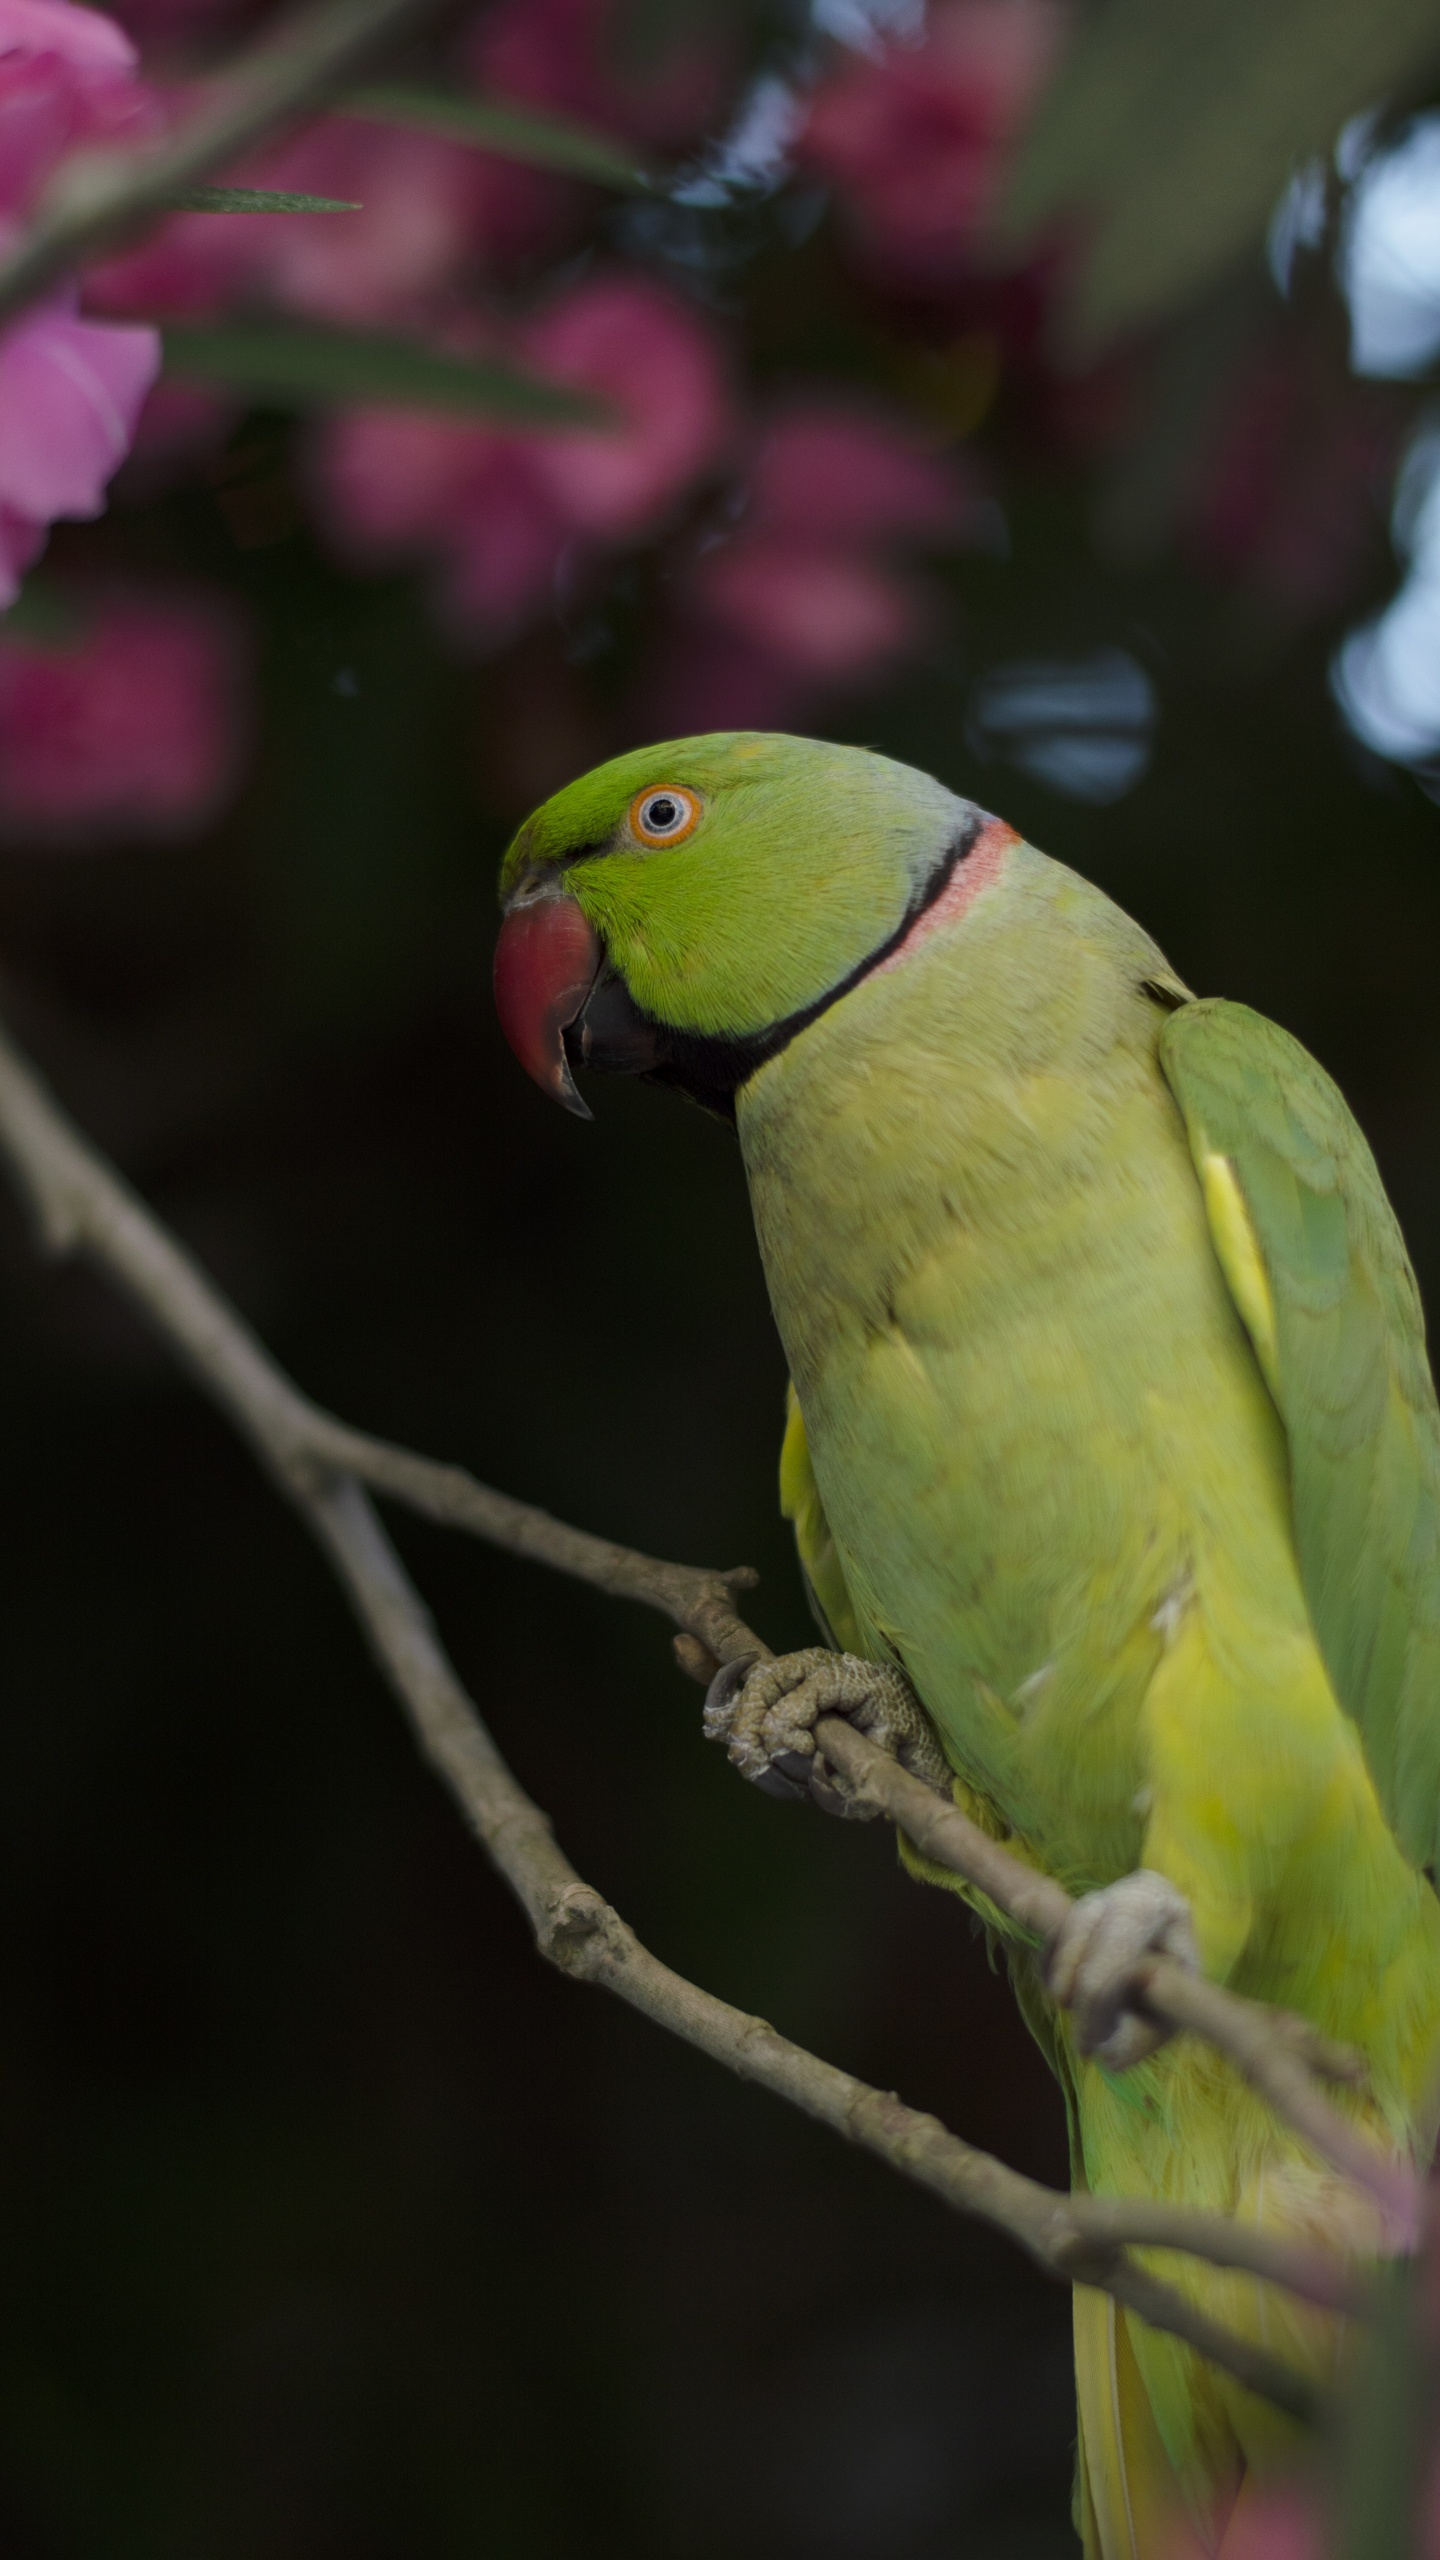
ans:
(254, 200)
(312, 368)
(516, 133)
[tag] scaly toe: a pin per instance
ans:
(1093, 1957)
(765, 1712)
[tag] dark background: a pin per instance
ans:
(332, 2225)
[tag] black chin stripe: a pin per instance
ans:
(614, 1033)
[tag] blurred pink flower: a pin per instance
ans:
(136, 729)
(515, 546)
(70, 390)
(425, 204)
(915, 134)
(188, 268)
(70, 393)
(420, 197)
(805, 594)
(80, 37)
(434, 213)
(66, 78)
(569, 55)
(657, 364)
(821, 611)
(396, 485)
(501, 512)
(827, 472)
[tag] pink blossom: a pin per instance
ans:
(915, 136)
(137, 729)
(419, 196)
(508, 564)
(79, 37)
(659, 367)
(398, 485)
(65, 79)
(187, 269)
(393, 485)
(499, 511)
(70, 389)
(823, 612)
(70, 393)
(835, 471)
(433, 211)
(806, 588)
(424, 207)
(392, 481)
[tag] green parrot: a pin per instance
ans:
(1113, 1457)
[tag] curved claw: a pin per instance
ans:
(774, 1782)
(765, 1710)
(722, 1694)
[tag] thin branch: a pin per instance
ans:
(98, 197)
(699, 1601)
(82, 1205)
(1281, 2055)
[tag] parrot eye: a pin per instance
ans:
(665, 816)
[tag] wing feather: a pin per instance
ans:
(1346, 1362)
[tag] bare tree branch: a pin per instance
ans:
(97, 197)
(81, 1205)
(1281, 2055)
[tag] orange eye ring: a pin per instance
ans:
(664, 813)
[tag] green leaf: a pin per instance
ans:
(516, 133)
(254, 200)
(1172, 126)
(297, 366)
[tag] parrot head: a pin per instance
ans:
(683, 911)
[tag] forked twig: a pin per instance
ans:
(1281, 2055)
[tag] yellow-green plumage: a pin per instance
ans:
(995, 1279)
(1115, 1429)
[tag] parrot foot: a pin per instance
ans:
(1091, 1961)
(764, 1713)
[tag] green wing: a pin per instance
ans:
(1317, 1266)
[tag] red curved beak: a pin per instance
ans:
(545, 965)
